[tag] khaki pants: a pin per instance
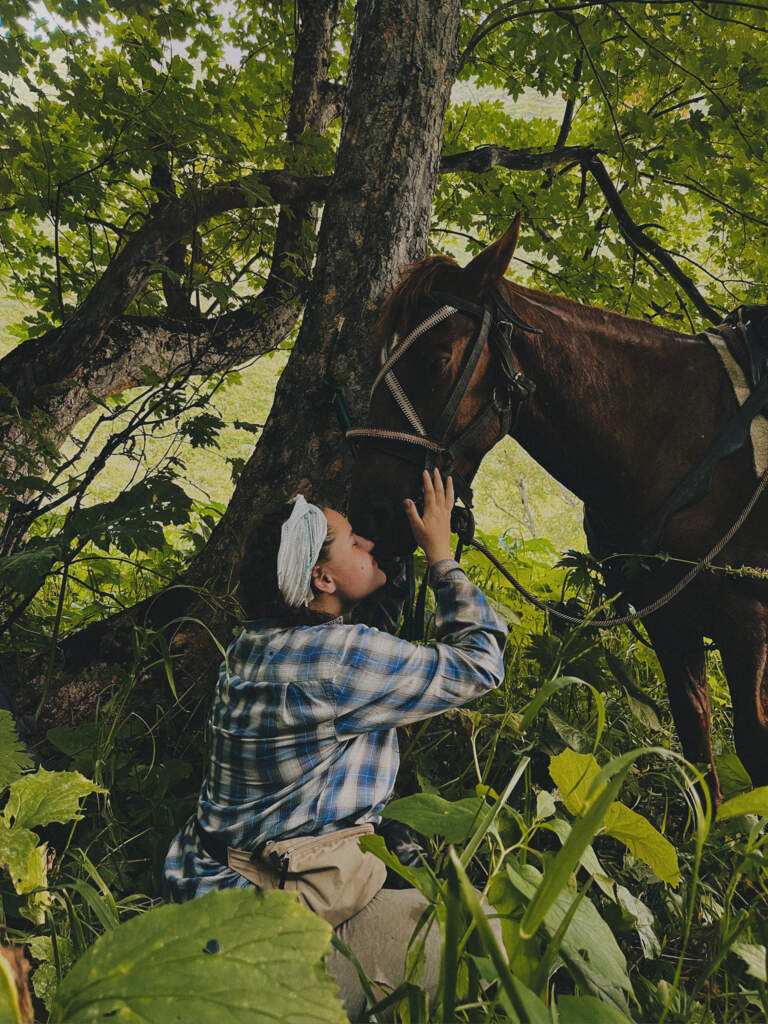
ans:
(379, 936)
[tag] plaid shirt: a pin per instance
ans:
(303, 734)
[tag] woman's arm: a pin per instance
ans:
(380, 681)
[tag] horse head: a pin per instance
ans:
(446, 391)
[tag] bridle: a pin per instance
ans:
(497, 324)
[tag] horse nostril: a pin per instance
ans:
(381, 513)
(370, 523)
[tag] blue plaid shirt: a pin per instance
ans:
(303, 726)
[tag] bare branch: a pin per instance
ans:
(171, 221)
(485, 157)
(565, 127)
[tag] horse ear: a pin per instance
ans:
(491, 264)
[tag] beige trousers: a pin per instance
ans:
(379, 936)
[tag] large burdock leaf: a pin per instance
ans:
(43, 797)
(234, 956)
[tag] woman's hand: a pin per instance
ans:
(432, 529)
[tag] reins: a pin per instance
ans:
(659, 603)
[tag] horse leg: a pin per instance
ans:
(744, 650)
(680, 651)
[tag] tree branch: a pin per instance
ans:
(171, 221)
(485, 157)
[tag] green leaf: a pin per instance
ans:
(588, 1010)
(754, 802)
(433, 816)
(644, 713)
(643, 919)
(605, 786)
(24, 571)
(570, 734)
(14, 756)
(588, 945)
(232, 955)
(43, 797)
(520, 1000)
(643, 841)
(419, 878)
(588, 860)
(754, 957)
(573, 774)
(545, 805)
(22, 858)
(732, 774)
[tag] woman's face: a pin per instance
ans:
(350, 565)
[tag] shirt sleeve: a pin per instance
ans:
(381, 681)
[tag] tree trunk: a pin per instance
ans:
(375, 222)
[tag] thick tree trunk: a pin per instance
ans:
(375, 222)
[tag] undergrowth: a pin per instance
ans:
(561, 798)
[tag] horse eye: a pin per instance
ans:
(439, 360)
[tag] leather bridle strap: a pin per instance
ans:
(448, 414)
(490, 330)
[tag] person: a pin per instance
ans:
(303, 749)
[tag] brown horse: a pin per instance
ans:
(621, 410)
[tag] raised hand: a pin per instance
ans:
(432, 529)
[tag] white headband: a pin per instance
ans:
(301, 540)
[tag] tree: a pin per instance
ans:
(159, 166)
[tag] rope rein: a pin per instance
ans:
(649, 609)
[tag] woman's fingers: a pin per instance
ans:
(436, 494)
(411, 512)
(429, 490)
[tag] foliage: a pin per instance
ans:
(226, 953)
(601, 918)
(637, 908)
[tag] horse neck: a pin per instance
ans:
(606, 401)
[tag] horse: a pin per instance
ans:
(618, 410)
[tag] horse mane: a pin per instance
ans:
(417, 280)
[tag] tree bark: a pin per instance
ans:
(375, 222)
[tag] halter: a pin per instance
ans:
(497, 324)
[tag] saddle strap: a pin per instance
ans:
(695, 484)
